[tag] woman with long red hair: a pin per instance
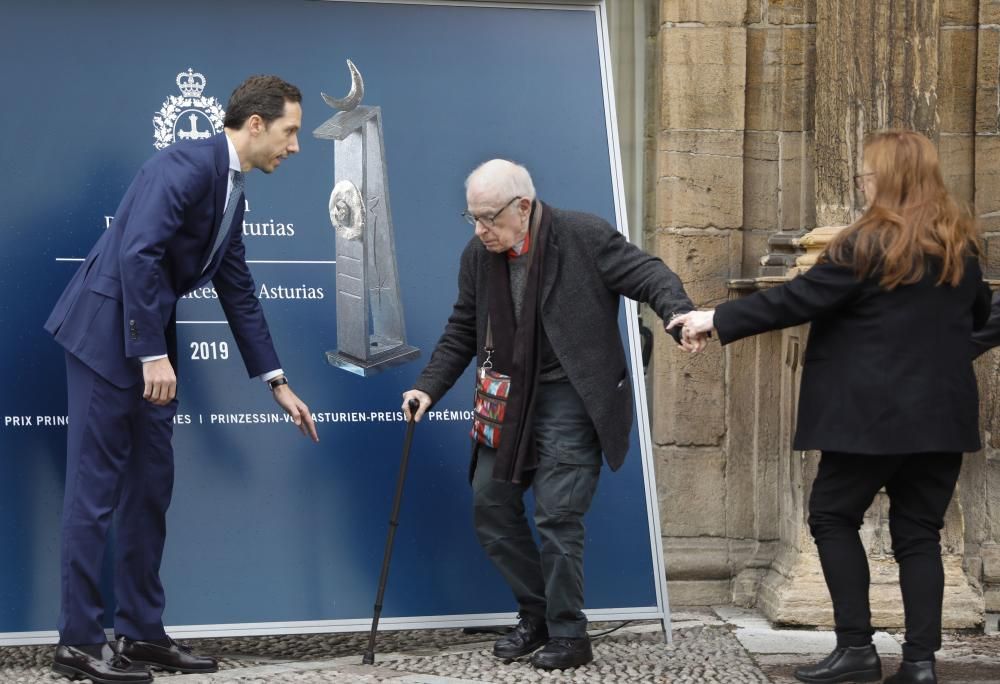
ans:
(888, 393)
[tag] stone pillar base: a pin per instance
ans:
(794, 593)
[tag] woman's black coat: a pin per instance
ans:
(885, 371)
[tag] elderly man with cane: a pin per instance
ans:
(538, 299)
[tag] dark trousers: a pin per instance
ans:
(547, 580)
(919, 487)
(120, 468)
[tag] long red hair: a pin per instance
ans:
(911, 218)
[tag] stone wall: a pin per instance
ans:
(761, 107)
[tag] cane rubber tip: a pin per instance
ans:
(368, 659)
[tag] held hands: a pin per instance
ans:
(159, 382)
(297, 410)
(696, 328)
(422, 398)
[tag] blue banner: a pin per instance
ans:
(266, 527)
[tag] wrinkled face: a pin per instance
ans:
(273, 142)
(501, 222)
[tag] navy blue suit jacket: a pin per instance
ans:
(120, 305)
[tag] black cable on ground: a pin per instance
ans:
(489, 629)
(609, 631)
(498, 629)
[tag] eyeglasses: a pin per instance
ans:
(859, 179)
(487, 221)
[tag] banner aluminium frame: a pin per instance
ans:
(658, 612)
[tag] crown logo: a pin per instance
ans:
(187, 116)
(191, 83)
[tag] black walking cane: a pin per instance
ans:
(369, 657)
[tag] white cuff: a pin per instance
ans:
(147, 359)
(270, 375)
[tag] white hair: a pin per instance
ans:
(503, 178)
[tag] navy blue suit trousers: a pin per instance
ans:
(119, 469)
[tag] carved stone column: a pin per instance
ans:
(778, 180)
(980, 481)
(696, 228)
(877, 68)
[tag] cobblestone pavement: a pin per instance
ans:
(724, 645)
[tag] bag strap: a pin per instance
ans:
(488, 346)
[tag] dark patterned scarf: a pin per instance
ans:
(518, 352)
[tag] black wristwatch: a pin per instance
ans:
(275, 383)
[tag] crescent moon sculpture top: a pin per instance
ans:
(353, 98)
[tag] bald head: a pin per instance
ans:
(499, 180)
(499, 195)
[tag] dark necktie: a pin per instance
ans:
(227, 216)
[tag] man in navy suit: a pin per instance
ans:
(178, 226)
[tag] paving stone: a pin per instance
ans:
(705, 648)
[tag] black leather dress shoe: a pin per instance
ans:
(562, 653)
(914, 672)
(167, 655)
(845, 664)
(110, 668)
(530, 633)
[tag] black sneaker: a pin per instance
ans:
(562, 653)
(845, 664)
(530, 633)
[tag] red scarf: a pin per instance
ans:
(512, 253)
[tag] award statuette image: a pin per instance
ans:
(371, 335)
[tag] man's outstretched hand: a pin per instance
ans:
(297, 410)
